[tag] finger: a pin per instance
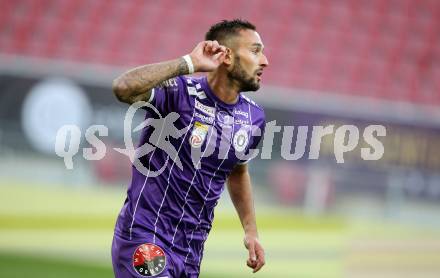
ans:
(222, 48)
(251, 264)
(218, 56)
(219, 50)
(215, 46)
(200, 47)
(222, 57)
(251, 248)
(208, 46)
(259, 265)
(260, 258)
(259, 251)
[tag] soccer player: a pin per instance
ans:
(166, 218)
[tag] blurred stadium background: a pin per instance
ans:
(332, 62)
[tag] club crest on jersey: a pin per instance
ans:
(149, 260)
(241, 140)
(208, 110)
(198, 135)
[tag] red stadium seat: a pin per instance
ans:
(380, 49)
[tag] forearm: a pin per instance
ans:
(136, 84)
(240, 191)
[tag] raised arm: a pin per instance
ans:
(136, 84)
(240, 190)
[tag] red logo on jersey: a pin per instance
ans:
(198, 135)
(149, 260)
(196, 140)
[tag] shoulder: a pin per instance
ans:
(252, 103)
(183, 84)
(194, 86)
(180, 82)
(257, 111)
(192, 81)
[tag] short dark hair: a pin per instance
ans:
(225, 28)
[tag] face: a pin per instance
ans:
(248, 61)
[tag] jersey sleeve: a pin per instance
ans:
(166, 96)
(254, 139)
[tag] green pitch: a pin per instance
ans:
(66, 232)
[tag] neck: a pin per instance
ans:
(225, 89)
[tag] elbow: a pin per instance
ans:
(120, 90)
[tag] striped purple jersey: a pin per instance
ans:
(176, 206)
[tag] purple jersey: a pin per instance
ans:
(176, 207)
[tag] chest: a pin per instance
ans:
(221, 131)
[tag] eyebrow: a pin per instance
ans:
(258, 44)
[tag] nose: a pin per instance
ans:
(263, 61)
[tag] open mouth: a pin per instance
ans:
(259, 74)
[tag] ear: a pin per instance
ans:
(229, 57)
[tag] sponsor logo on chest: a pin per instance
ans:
(242, 113)
(242, 122)
(208, 110)
(204, 118)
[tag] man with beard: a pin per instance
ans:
(169, 215)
